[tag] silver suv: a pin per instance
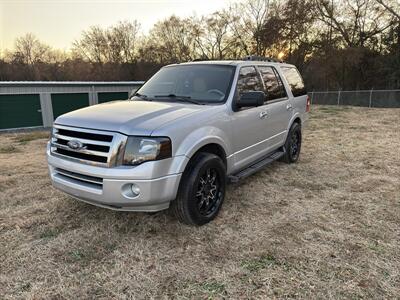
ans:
(177, 141)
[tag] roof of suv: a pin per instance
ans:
(233, 63)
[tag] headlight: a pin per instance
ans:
(53, 131)
(141, 149)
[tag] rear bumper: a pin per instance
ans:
(110, 187)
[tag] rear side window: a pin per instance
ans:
(248, 80)
(294, 80)
(273, 83)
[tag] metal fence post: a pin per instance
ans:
(370, 98)
(338, 97)
(312, 97)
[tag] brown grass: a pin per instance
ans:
(31, 136)
(326, 227)
(8, 149)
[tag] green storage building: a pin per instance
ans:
(37, 104)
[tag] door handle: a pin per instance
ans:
(289, 107)
(263, 114)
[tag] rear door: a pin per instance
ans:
(277, 106)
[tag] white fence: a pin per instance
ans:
(367, 98)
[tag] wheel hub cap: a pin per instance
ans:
(208, 194)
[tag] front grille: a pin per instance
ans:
(79, 177)
(85, 135)
(93, 147)
(83, 156)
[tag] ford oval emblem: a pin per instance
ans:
(75, 144)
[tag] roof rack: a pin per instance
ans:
(200, 59)
(260, 58)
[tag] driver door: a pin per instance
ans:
(248, 124)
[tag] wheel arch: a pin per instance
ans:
(213, 148)
(296, 118)
(211, 145)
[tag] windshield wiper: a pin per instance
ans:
(143, 97)
(179, 98)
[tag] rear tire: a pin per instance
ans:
(293, 144)
(201, 191)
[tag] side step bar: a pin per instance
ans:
(256, 166)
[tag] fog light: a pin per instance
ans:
(130, 190)
(135, 190)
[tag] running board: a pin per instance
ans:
(257, 166)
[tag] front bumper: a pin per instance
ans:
(158, 183)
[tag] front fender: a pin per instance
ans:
(200, 138)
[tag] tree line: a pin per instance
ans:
(336, 44)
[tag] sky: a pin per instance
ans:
(60, 22)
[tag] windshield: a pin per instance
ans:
(201, 83)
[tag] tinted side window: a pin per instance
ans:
(248, 80)
(295, 81)
(273, 83)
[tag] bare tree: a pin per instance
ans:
(335, 43)
(92, 46)
(171, 40)
(116, 44)
(356, 21)
(29, 50)
(394, 11)
(247, 24)
(299, 16)
(122, 40)
(213, 37)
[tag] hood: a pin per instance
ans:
(128, 117)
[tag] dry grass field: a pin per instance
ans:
(327, 227)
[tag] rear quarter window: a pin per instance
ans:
(294, 80)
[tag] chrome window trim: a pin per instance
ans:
(275, 101)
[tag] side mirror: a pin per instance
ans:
(251, 99)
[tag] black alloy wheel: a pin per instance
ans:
(201, 190)
(295, 145)
(292, 144)
(208, 193)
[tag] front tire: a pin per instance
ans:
(201, 191)
(293, 144)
